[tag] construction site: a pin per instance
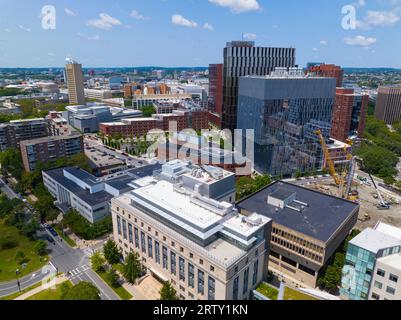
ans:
(347, 181)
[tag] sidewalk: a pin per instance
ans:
(41, 288)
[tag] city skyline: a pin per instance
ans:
(137, 33)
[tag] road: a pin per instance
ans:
(75, 263)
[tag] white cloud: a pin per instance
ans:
(179, 20)
(238, 6)
(93, 38)
(249, 36)
(106, 22)
(24, 28)
(324, 42)
(51, 54)
(380, 19)
(360, 41)
(360, 3)
(135, 14)
(208, 26)
(315, 49)
(69, 12)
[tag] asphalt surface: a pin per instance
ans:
(129, 160)
(75, 263)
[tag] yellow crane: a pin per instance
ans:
(344, 184)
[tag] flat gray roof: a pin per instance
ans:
(320, 219)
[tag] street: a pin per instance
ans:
(75, 263)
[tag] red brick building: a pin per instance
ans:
(330, 71)
(196, 120)
(216, 93)
(349, 114)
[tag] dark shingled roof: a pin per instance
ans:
(84, 195)
(320, 219)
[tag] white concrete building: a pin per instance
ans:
(203, 246)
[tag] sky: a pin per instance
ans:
(170, 33)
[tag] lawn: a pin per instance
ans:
(65, 237)
(50, 294)
(268, 291)
(120, 291)
(8, 264)
(291, 294)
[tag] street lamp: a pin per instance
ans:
(17, 272)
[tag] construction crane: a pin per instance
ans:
(344, 182)
(383, 205)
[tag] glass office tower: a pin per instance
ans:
(286, 109)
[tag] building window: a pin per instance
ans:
(165, 258)
(157, 252)
(246, 281)
(191, 276)
(375, 296)
(211, 268)
(173, 263)
(201, 282)
(235, 288)
(255, 273)
(150, 247)
(136, 238)
(182, 269)
(390, 290)
(212, 289)
(119, 225)
(393, 278)
(143, 242)
(378, 284)
(381, 272)
(125, 230)
(130, 235)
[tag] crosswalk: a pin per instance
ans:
(88, 252)
(75, 273)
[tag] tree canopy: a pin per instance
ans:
(168, 293)
(83, 291)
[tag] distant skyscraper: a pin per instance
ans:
(242, 58)
(75, 82)
(388, 104)
(328, 71)
(285, 110)
(349, 114)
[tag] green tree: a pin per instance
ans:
(168, 293)
(83, 291)
(29, 229)
(40, 248)
(111, 252)
(20, 257)
(112, 278)
(132, 269)
(98, 262)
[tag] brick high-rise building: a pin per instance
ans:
(243, 58)
(329, 71)
(388, 104)
(349, 114)
(75, 82)
(216, 89)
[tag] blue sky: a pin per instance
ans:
(193, 32)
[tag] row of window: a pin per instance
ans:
(298, 240)
(156, 233)
(297, 249)
(140, 244)
(382, 273)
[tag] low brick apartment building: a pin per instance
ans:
(49, 149)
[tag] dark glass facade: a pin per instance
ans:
(285, 113)
(242, 58)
